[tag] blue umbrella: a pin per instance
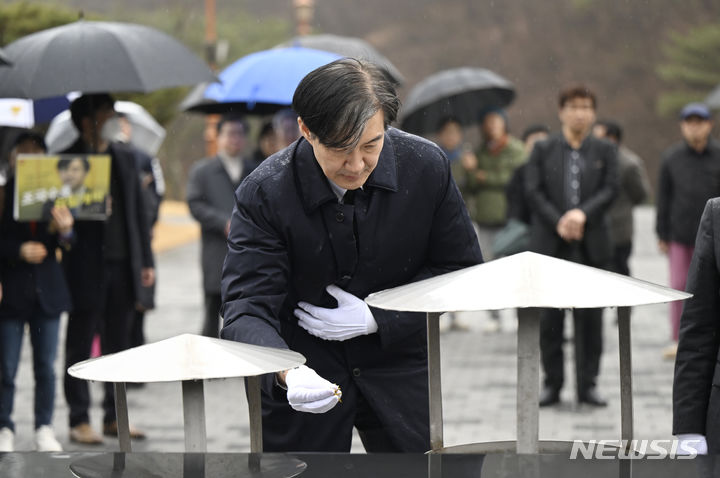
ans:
(24, 113)
(259, 83)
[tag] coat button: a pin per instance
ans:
(356, 372)
(340, 216)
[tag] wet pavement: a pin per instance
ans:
(479, 367)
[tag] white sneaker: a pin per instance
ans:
(6, 439)
(45, 439)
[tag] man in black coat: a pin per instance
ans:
(571, 180)
(696, 396)
(210, 196)
(108, 263)
(350, 208)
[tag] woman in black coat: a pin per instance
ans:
(34, 292)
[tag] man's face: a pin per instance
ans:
(695, 129)
(578, 115)
(74, 174)
(231, 138)
(599, 131)
(26, 147)
(493, 126)
(349, 169)
(450, 136)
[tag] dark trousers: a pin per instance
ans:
(588, 347)
(113, 318)
(621, 256)
(211, 325)
(587, 338)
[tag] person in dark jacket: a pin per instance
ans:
(106, 267)
(210, 190)
(36, 294)
(570, 182)
(696, 395)
(634, 189)
(351, 207)
(689, 176)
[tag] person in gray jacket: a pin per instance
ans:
(211, 196)
(634, 189)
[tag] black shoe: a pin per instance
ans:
(593, 398)
(549, 396)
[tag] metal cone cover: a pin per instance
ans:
(186, 357)
(523, 280)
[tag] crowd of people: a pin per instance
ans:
(297, 231)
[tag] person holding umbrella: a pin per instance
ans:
(106, 266)
(353, 206)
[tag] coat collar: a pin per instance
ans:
(314, 187)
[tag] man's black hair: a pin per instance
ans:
(232, 118)
(87, 105)
(32, 136)
(446, 120)
(266, 130)
(612, 129)
(534, 128)
(64, 163)
(337, 100)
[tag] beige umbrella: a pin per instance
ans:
(189, 359)
(524, 281)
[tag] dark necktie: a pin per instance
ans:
(349, 197)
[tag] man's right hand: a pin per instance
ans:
(663, 246)
(309, 392)
(33, 252)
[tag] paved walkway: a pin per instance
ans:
(479, 374)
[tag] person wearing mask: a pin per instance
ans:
(106, 267)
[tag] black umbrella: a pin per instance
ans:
(460, 92)
(351, 47)
(95, 57)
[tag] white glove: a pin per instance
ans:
(351, 318)
(309, 392)
(691, 441)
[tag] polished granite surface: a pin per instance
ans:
(309, 465)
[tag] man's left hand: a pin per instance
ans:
(351, 318)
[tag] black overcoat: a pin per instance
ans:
(290, 238)
(29, 289)
(696, 388)
(84, 262)
(544, 188)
